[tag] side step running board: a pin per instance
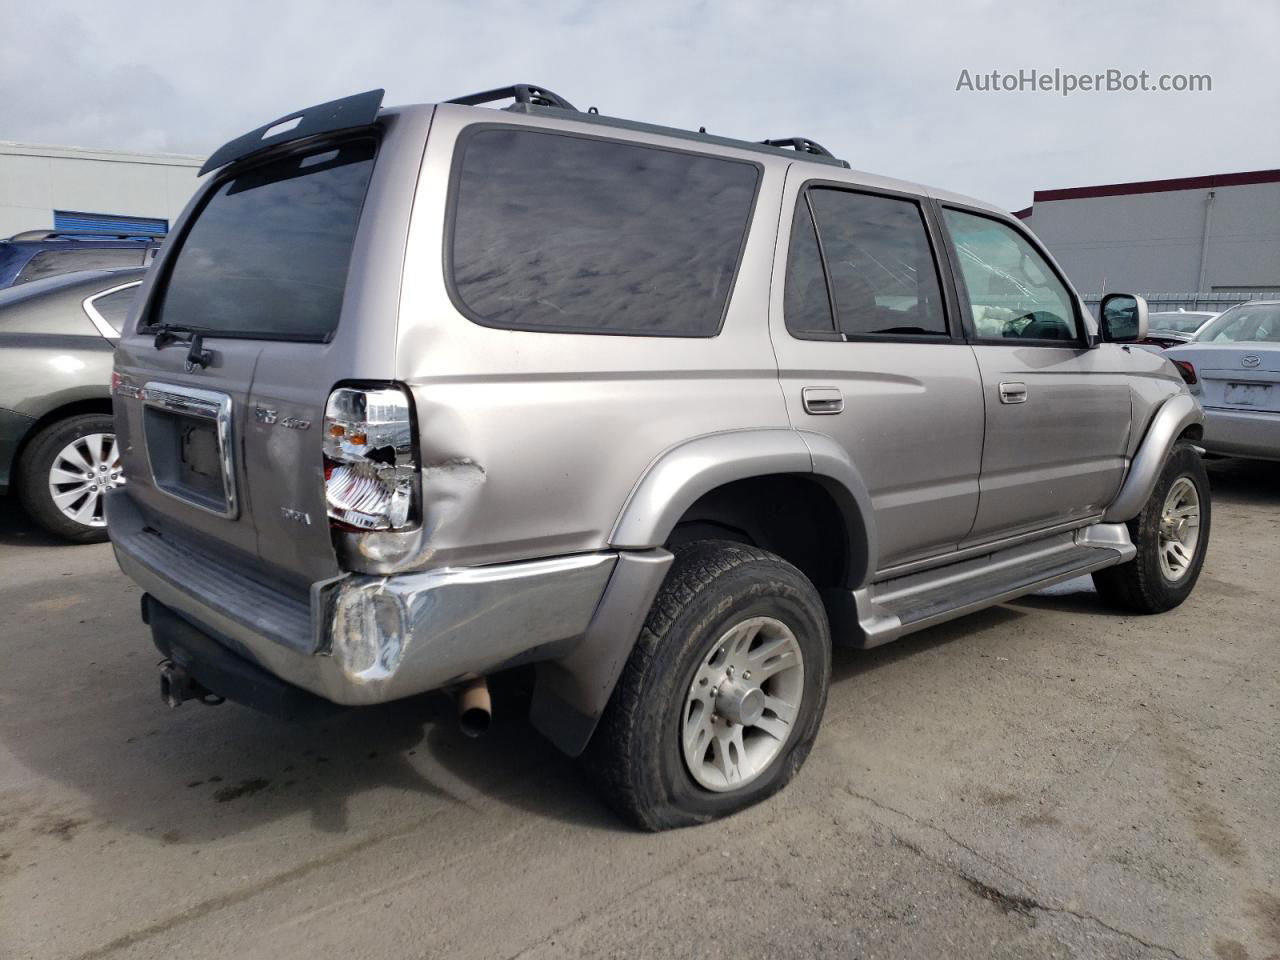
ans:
(885, 611)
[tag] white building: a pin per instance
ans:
(1214, 234)
(69, 188)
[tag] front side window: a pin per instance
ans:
(267, 256)
(1013, 293)
(1245, 323)
(567, 234)
(876, 267)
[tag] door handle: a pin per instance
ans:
(822, 400)
(1013, 391)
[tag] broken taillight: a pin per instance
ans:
(370, 465)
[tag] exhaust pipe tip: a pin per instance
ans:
(475, 708)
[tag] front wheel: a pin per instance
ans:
(1171, 534)
(720, 701)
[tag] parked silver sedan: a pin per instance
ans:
(1233, 366)
(57, 440)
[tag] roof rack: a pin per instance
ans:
(800, 145)
(28, 236)
(520, 93)
(532, 99)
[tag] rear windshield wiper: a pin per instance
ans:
(197, 356)
(167, 333)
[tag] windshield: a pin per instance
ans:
(267, 256)
(1245, 323)
(1178, 322)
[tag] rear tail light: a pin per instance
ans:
(370, 467)
(1186, 369)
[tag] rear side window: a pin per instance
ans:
(267, 255)
(884, 280)
(807, 307)
(569, 234)
(51, 263)
(114, 307)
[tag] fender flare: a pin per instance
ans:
(1174, 416)
(676, 479)
(573, 689)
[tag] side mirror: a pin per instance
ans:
(1123, 318)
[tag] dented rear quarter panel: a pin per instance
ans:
(531, 441)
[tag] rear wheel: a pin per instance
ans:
(720, 701)
(1171, 534)
(65, 473)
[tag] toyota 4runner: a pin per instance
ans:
(415, 395)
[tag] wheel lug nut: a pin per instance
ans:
(746, 675)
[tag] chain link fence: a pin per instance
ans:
(1215, 302)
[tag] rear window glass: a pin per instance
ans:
(267, 256)
(114, 307)
(51, 263)
(560, 233)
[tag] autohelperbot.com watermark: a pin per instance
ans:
(1065, 82)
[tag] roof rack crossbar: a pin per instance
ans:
(800, 144)
(520, 93)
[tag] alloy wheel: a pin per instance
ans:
(84, 470)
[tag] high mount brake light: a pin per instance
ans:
(370, 467)
(1187, 370)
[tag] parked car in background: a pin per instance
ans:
(1233, 366)
(417, 395)
(1170, 328)
(37, 254)
(57, 442)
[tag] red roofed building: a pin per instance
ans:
(1192, 234)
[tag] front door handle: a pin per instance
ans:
(1013, 391)
(822, 400)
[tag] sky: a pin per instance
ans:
(876, 83)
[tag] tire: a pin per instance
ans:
(721, 604)
(45, 452)
(1144, 584)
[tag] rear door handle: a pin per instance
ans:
(1013, 391)
(822, 400)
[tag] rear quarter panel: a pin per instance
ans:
(531, 442)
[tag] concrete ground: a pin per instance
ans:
(1046, 779)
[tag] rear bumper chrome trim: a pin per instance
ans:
(370, 639)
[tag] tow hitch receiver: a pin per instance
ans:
(176, 686)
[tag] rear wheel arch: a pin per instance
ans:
(98, 405)
(694, 482)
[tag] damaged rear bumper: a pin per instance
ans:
(368, 639)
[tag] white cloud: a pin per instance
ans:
(875, 83)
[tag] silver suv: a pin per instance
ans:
(415, 395)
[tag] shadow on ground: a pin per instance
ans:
(18, 529)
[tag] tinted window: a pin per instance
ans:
(561, 233)
(1012, 291)
(268, 254)
(1244, 323)
(50, 263)
(114, 307)
(807, 308)
(883, 276)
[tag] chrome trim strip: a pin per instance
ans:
(99, 321)
(209, 405)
